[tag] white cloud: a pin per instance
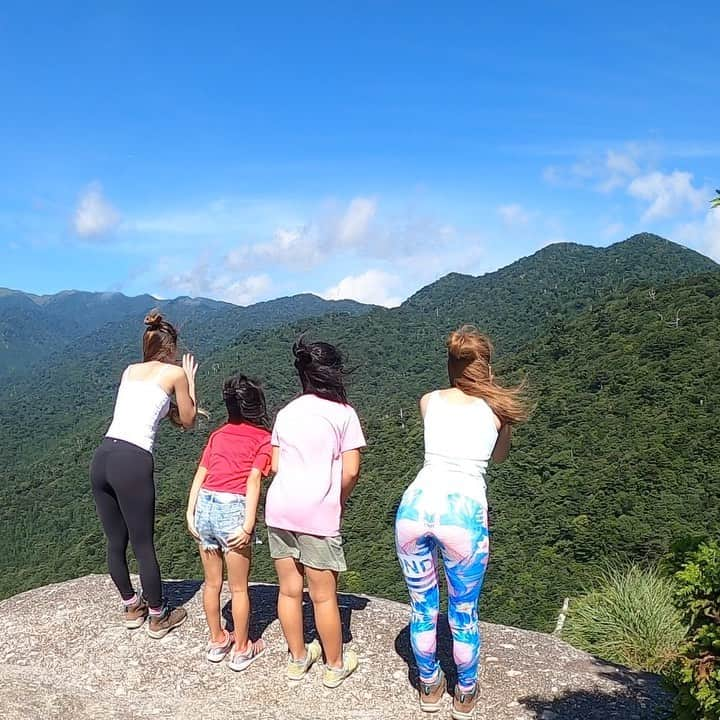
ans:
(619, 168)
(703, 235)
(631, 168)
(201, 280)
(622, 163)
(355, 223)
(309, 244)
(245, 291)
(513, 214)
(552, 175)
(373, 286)
(603, 171)
(668, 194)
(356, 228)
(613, 231)
(94, 215)
(218, 218)
(299, 248)
(405, 242)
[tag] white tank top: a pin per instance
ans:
(459, 440)
(139, 408)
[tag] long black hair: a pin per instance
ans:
(245, 401)
(321, 370)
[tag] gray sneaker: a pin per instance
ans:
(298, 669)
(464, 703)
(431, 694)
(336, 676)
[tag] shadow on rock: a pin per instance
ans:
(179, 592)
(636, 696)
(445, 652)
(263, 601)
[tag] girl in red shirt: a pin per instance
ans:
(221, 515)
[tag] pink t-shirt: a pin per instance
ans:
(312, 433)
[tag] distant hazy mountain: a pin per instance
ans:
(34, 328)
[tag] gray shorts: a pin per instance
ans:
(321, 553)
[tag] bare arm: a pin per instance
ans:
(275, 459)
(198, 480)
(424, 400)
(243, 536)
(185, 392)
(350, 474)
(502, 444)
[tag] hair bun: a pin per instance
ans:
(153, 320)
(302, 354)
(462, 343)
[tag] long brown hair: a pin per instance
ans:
(160, 343)
(469, 355)
(159, 339)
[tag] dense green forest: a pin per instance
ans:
(619, 347)
(38, 330)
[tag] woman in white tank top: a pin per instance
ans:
(444, 510)
(122, 470)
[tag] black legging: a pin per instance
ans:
(122, 483)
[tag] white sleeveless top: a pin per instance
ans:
(139, 408)
(459, 440)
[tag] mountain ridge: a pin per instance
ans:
(591, 347)
(65, 319)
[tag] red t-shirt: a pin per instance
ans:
(233, 450)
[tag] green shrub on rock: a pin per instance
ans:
(697, 674)
(629, 618)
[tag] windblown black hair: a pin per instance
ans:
(321, 370)
(245, 401)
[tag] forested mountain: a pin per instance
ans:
(619, 347)
(558, 281)
(37, 329)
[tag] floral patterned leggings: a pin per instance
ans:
(455, 525)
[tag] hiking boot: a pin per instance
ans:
(335, 676)
(298, 669)
(160, 625)
(464, 703)
(134, 615)
(431, 694)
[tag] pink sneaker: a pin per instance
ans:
(242, 660)
(218, 651)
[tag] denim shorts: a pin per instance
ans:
(218, 516)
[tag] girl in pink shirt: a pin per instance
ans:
(316, 460)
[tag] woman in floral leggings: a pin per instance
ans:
(444, 511)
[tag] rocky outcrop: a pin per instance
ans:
(64, 654)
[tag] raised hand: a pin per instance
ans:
(190, 366)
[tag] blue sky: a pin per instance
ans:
(348, 149)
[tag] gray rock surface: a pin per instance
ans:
(64, 654)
